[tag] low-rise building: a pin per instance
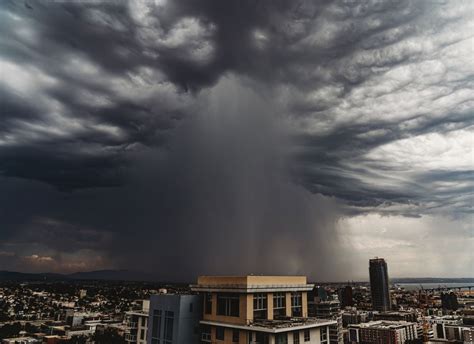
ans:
(136, 324)
(396, 316)
(21, 340)
(468, 335)
(329, 309)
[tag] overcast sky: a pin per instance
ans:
(226, 137)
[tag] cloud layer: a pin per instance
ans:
(254, 127)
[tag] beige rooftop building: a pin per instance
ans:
(258, 309)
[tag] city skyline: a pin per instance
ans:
(186, 138)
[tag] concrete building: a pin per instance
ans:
(259, 309)
(174, 319)
(355, 316)
(379, 286)
(136, 324)
(21, 340)
(386, 332)
(468, 335)
(453, 332)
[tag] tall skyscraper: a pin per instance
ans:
(379, 286)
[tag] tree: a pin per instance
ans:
(77, 340)
(10, 330)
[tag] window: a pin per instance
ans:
(143, 322)
(296, 306)
(307, 336)
(168, 328)
(262, 338)
(323, 334)
(142, 334)
(296, 337)
(191, 307)
(208, 303)
(281, 338)
(206, 333)
(279, 305)
(235, 336)
(156, 327)
(260, 306)
(220, 334)
(228, 305)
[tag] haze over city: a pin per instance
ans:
(185, 138)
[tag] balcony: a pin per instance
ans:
(130, 337)
(132, 325)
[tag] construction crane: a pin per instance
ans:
(424, 323)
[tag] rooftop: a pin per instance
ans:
(383, 324)
(252, 283)
(277, 326)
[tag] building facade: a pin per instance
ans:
(379, 285)
(136, 324)
(346, 296)
(259, 310)
(329, 309)
(174, 319)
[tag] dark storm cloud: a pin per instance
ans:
(113, 104)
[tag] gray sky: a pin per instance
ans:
(209, 137)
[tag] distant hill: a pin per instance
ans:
(22, 276)
(105, 275)
(111, 275)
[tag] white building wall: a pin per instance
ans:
(315, 336)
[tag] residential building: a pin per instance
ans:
(396, 316)
(21, 340)
(174, 319)
(136, 324)
(379, 285)
(330, 309)
(383, 332)
(355, 316)
(259, 310)
(453, 332)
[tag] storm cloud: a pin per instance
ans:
(188, 137)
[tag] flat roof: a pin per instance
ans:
(276, 326)
(383, 324)
(252, 283)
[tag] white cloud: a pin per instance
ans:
(413, 247)
(451, 151)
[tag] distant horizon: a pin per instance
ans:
(184, 281)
